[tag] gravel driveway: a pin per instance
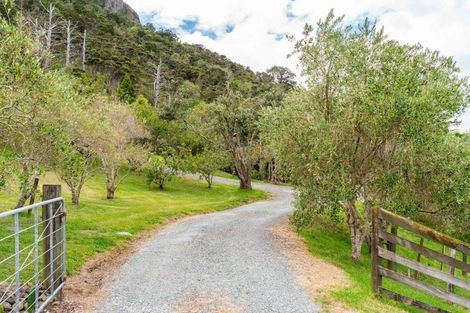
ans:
(220, 262)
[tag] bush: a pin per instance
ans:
(159, 170)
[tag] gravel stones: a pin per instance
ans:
(220, 262)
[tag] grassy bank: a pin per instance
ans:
(331, 243)
(93, 225)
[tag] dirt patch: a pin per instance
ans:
(317, 277)
(197, 304)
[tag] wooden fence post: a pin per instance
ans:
(464, 259)
(376, 278)
(392, 247)
(452, 254)
(53, 274)
(418, 259)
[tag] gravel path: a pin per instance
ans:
(220, 262)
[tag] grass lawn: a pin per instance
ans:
(331, 243)
(92, 226)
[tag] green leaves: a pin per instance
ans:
(375, 115)
(126, 90)
(160, 170)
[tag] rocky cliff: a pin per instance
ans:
(119, 6)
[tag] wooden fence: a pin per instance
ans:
(423, 276)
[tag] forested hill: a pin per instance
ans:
(117, 44)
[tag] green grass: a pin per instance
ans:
(331, 243)
(92, 225)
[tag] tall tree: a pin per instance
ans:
(68, 44)
(51, 25)
(232, 121)
(115, 141)
(372, 107)
(157, 82)
(84, 47)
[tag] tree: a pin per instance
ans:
(74, 164)
(75, 169)
(27, 97)
(126, 90)
(50, 28)
(160, 170)
(115, 141)
(232, 122)
(68, 44)
(157, 82)
(439, 185)
(187, 95)
(206, 162)
(282, 75)
(372, 108)
(84, 47)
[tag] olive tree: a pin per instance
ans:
(232, 122)
(371, 108)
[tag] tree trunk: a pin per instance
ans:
(157, 83)
(244, 174)
(76, 196)
(245, 183)
(23, 198)
(69, 44)
(84, 49)
(111, 174)
(33, 193)
(29, 186)
(209, 178)
(110, 193)
(50, 29)
(356, 231)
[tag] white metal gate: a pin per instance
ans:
(32, 256)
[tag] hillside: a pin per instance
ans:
(117, 44)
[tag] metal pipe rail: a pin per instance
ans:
(32, 256)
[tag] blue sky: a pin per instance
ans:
(252, 32)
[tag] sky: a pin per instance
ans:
(253, 32)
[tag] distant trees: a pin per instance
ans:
(126, 90)
(361, 135)
(282, 76)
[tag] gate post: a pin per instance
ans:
(375, 260)
(53, 248)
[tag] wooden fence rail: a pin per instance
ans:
(385, 239)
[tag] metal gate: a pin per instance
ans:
(32, 256)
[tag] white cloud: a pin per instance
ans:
(442, 25)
